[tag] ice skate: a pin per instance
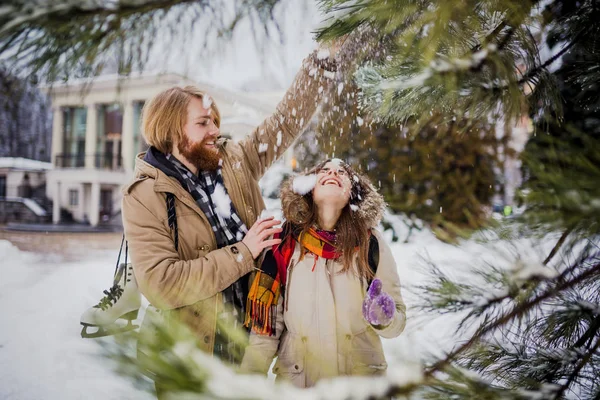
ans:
(121, 301)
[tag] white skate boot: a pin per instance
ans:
(121, 301)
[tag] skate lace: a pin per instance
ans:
(112, 295)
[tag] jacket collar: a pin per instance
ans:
(158, 160)
(154, 164)
(151, 164)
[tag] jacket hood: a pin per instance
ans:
(368, 204)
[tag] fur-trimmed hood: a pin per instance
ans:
(365, 201)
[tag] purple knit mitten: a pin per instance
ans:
(378, 307)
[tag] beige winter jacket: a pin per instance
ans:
(187, 282)
(320, 331)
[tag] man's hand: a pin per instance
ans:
(256, 237)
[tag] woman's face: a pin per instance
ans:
(333, 185)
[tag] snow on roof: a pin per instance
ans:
(24, 164)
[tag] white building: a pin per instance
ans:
(22, 182)
(18, 174)
(96, 136)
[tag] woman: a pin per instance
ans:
(309, 303)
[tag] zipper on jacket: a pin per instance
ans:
(327, 270)
(289, 283)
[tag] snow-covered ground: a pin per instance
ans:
(42, 355)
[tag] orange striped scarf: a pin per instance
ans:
(266, 287)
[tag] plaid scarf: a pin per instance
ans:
(209, 192)
(269, 281)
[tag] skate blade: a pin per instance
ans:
(103, 331)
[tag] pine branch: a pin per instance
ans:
(589, 333)
(529, 75)
(503, 24)
(584, 361)
(557, 246)
(16, 18)
(59, 39)
(517, 311)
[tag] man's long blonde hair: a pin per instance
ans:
(164, 117)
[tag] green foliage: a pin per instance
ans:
(562, 191)
(464, 384)
(167, 352)
(562, 160)
(443, 174)
(462, 60)
(537, 329)
(61, 38)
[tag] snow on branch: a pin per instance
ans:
(173, 359)
(441, 66)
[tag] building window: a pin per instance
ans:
(3, 186)
(75, 120)
(110, 128)
(73, 197)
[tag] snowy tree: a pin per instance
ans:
(59, 39)
(435, 172)
(25, 119)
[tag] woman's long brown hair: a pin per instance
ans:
(351, 231)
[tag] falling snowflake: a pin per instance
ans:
(323, 54)
(206, 101)
(222, 201)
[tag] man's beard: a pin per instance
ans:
(203, 158)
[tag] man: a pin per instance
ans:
(191, 213)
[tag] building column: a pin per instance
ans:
(81, 204)
(57, 135)
(56, 204)
(127, 137)
(91, 135)
(95, 204)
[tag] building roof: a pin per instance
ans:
(262, 102)
(24, 164)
